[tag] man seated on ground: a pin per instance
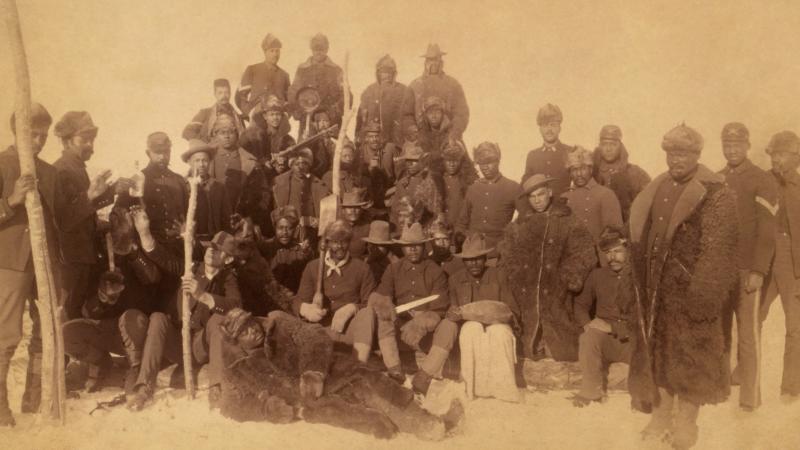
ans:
(610, 293)
(412, 278)
(482, 298)
(341, 307)
(213, 290)
(280, 369)
(288, 252)
(379, 248)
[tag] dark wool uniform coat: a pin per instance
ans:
(261, 80)
(448, 89)
(547, 257)
(392, 104)
(326, 78)
(166, 199)
(622, 177)
(552, 163)
(203, 122)
(692, 280)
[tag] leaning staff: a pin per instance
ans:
(53, 384)
(186, 314)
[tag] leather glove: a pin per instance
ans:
(342, 315)
(412, 332)
(383, 307)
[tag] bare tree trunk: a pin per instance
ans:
(53, 385)
(186, 314)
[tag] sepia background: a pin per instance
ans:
(147, 65)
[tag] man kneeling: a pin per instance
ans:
(605, 338)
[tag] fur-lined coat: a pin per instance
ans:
(547, 257)
(686, 352)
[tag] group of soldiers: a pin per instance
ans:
(585, 259)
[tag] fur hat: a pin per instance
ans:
(339, 230)
(549, 113)
(735, 132)
(785, 141)
(433, 102)
(440, 229)
(412, 151)
(39, 117)
(453, 150)
(301, 153)
(320, 42)
(270, 41)
(271, 103)
(386, 64)
(287, 212)
(75, 122)
(611, 132)
(682, 138)
(486, 152)
(611, 237)
(579, 157)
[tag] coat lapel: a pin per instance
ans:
(640, 209)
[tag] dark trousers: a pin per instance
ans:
(163, 342)
(91, 341)
(748, 349)
(75, 280)
(783, 282)
(596, 350)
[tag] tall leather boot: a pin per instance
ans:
(33, 385)
(6, 418)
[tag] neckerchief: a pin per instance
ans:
(332, 266)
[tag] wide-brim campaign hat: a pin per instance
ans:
(198, 146)
(355, 198)
(533, 183)
(474, 247)
(379, 233)
(412, 235)
(223, 241)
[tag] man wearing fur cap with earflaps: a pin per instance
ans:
(612, 169)
(388, 101)
(683, 234)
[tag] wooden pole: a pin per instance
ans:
(186, 314)
(53, 385)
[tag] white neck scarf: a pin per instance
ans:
(332, 266)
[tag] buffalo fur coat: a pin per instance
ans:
(547, 257)
(686, 352)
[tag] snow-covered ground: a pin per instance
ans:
(544, 421)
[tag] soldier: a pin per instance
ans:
(612, 169)
(609, 293)
(17, 280)
(388, 101)
(321, 74)
(379, 248)
(231, 164)
(268, 133)
(213, 211)
(459, 174)
(78, 225)
(784, 279)
(594, 205)
(302, 190)
(355, 207)
(377, 160)
(490, 202)
(435, 82)
(442, 250)
(488, 351)
(323, 148)
(166, 196)
(417, 187)
(263, 79)
(409, 279)
(756, 201)
(546, 256)
(434, 127)
(683, 230)
(351, 177)
(287, 253)
(346, 285)
(203, 122)
(549, 159)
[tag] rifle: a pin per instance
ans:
(309, 140)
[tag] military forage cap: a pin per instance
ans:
(579, 157)
(158, 142)
(682, 138)
(785, 141)
(270, 41)
(549, 113)
(319, 42)
(736, 132)
(75, 122)
(611, 237)
(39, 116)
(486, 152)
(612, 132)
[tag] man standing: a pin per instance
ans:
(263, 79)
(17, 280)
(784, 280)
(434, 82)
(166, 196)
(594, 205)
(268, 133)
(213, 210)
(78, 227)
(459, 174)
(203, 122)
(346, 285)
(321, 74)
(232, 164)
(389, 102)
(409, 279)
(683, 229)
(549, 159)
(377, 161)
(490, 202)
(417, 188)
(612, 169)
(434, 128)
(756, 203)
(301, 190)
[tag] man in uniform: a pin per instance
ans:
(490, 202)
(459, 174)
(756, 202)
(417, 187)
(355, 206)
(268, 133)
(346, 285)
(409, 279)
(594, 205)
(549, 159)
(301, 190)
(388, 101)
(322, 74)
(78, 225)
(612, 169)
(377, 161)
(231, 164)
(435, 82)
(166, 195)
(784, 279)
(213, 211)
(263, 79)
(203, 122)
(683, 229)
(17, 280)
